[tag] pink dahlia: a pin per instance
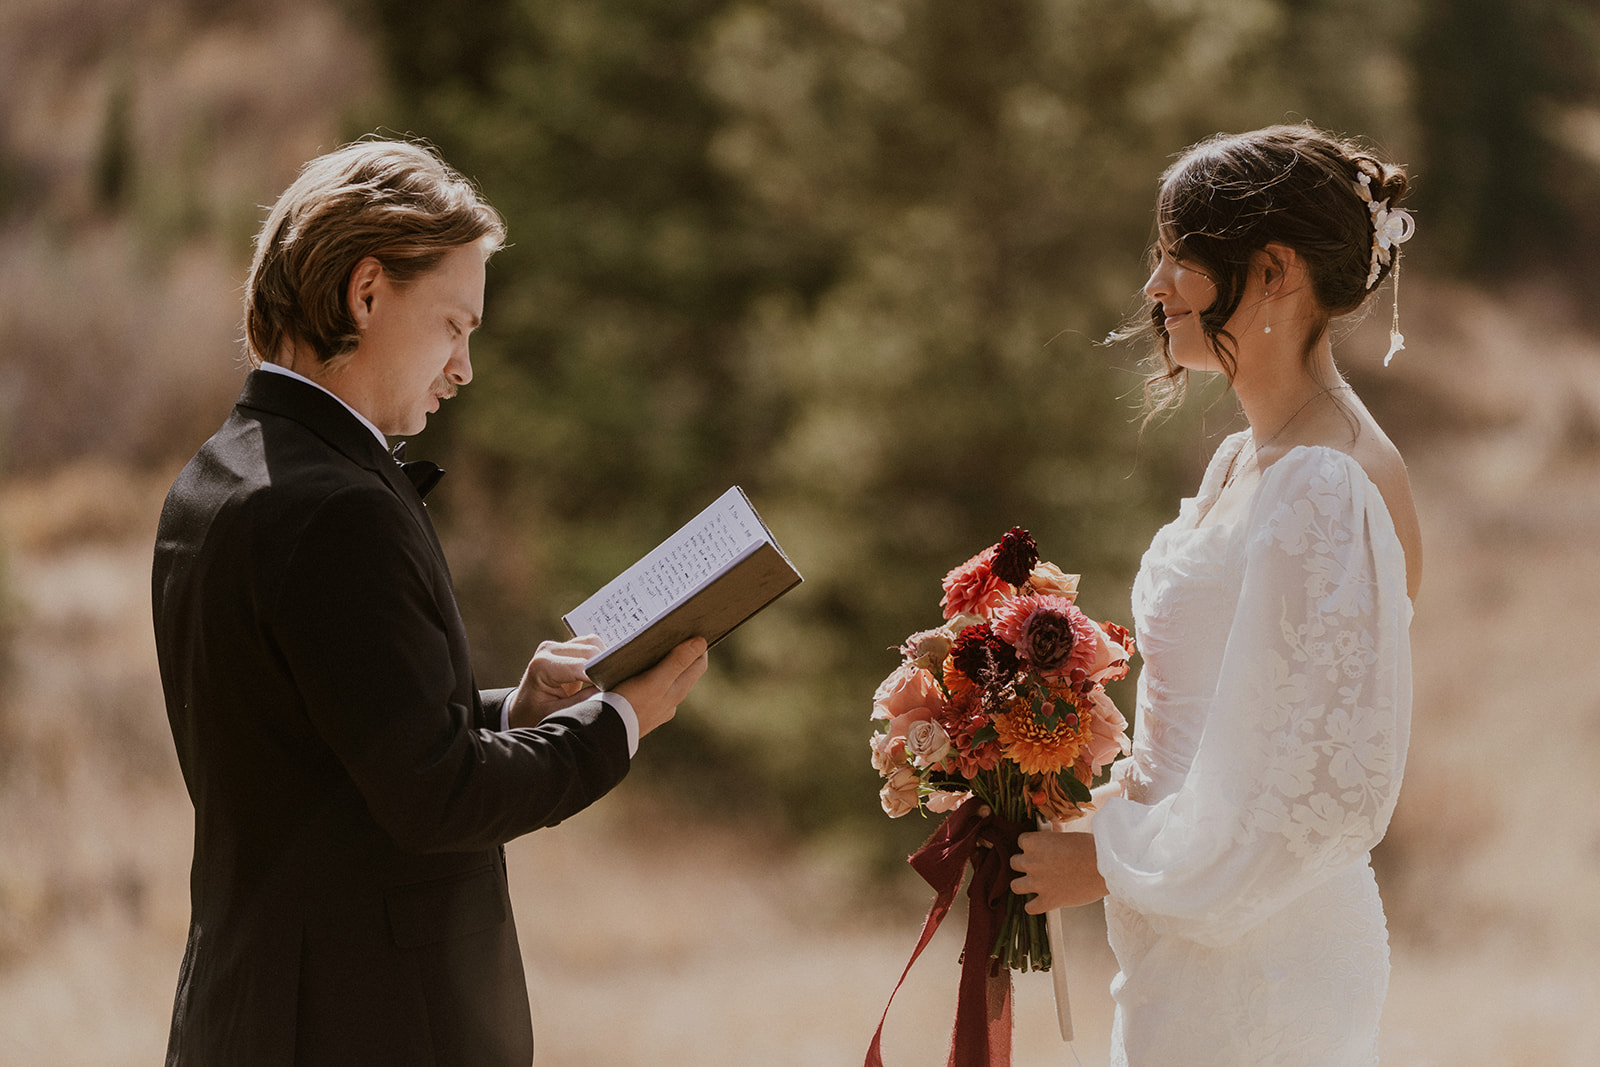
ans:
(1049, 633)
(973, 588)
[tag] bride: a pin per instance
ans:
(1274, 705)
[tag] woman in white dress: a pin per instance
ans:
(1272, 614)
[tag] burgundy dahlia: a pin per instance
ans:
(1015, 556)
(983, 657)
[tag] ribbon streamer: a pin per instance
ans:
(981, 1036)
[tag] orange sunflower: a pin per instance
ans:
(1040, 749)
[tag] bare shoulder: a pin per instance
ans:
(1386, 468)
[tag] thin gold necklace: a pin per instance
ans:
(1235, 464)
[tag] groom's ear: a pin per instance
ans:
(359, 292)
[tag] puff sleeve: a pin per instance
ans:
(1299, 763)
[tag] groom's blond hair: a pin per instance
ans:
(396, 201)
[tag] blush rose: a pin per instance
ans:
(899, 794)
(927, 743)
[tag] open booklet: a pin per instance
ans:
(715, 572)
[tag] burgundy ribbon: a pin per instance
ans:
(982, 1033)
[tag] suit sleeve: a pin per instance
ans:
(365, 618)
(493, 714)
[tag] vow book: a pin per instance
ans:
(719, 569)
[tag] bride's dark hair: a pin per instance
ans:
(1230, 196)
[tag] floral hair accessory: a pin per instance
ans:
(1391, 228)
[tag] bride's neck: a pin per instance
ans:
(1274, 388)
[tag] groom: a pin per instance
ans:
(352, 786)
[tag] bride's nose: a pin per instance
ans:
(1159, 285)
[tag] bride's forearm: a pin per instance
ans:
(1106, 790)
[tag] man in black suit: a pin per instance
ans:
(352, 786)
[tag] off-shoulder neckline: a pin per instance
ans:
(1210, 488)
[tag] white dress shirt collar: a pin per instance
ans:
(277, 369)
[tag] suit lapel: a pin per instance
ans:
(326, 417)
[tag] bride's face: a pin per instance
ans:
(1183, 290)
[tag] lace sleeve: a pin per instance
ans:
(1297, 771)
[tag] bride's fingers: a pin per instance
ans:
(1020, 860)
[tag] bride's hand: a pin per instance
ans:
(1059, 869)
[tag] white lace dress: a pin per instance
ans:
(1274, 710)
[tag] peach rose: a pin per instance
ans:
(1120, 639)
(1108, 730)
(1107, 661)
(1047, 580)
(907, 688)
(888, 753)
(899, 793)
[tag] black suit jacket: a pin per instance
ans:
(350, 784)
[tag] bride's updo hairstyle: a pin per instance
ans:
(1230, 196)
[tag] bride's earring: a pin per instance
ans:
(1267, 311)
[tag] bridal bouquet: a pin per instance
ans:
(1005, 702)
(999, 718)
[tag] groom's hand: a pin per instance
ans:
(1059, 869)
(554, 679)
(656, 693)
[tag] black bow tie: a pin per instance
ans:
(423, 474)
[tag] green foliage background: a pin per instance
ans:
(856, 256)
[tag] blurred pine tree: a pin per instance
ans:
(1508, 105)
(852, 254)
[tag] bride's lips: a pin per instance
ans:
(1173, 317)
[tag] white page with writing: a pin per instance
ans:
(708, 545)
